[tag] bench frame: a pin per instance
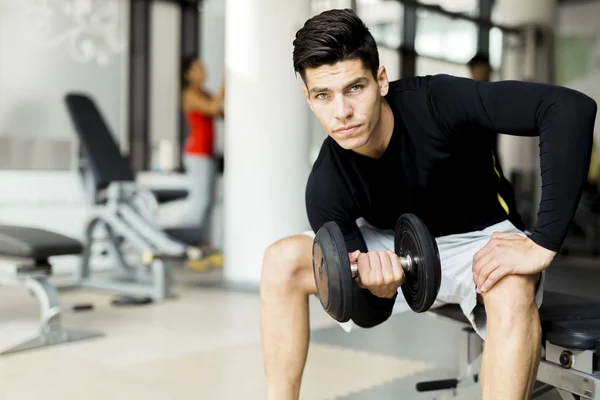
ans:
(33, 275)
(580, 380)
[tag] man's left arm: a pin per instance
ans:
(563, 118)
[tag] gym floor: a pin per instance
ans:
(205, 344)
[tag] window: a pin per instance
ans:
(496, 45)
(468, 7)
(390, 59)
(384, 20)
(49, 49)
(440, 36)
(432, 66)
(318, 6)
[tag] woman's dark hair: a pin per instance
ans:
(331, 37)
(186, 64)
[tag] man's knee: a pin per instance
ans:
(512, 297)
(287, 264)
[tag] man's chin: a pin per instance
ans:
(351, 143)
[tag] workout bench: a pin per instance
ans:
(24, 254)
(126, 214)
(570, 345)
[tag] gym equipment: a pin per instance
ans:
(24, 254)
(415, 247)
(570, 341)
(123, 221)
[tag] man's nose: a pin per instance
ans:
(343, 108)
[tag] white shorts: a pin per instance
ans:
(456, 254)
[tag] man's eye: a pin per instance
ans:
(355, 88)
(321, 96)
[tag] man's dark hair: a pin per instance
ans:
(479, 59)
(334, 36)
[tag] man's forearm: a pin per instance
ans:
(566, 137)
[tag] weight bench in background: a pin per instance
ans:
(570, 341)
(24, 254)
(127, 213)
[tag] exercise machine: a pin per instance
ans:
(123, 221)
(570, 344)
(24, 254)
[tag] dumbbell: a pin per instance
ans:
(415, 247)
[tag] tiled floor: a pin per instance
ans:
(205, 344)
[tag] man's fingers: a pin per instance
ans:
(397, 271)
(387, 273)
(484, 273)
(359, 282)
(375, 275)
(482, 262)
(494, 278)
(354, 256)
(364, 268)
(489, 246)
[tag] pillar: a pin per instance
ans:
(266, 144)
(139, 85)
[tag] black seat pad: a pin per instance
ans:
(578, 335)
(25, 242)
(189, 236)
(565, 307)
(166, 195)
(452, 311)
(555, 307)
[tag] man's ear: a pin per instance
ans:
(306, 95)
(382, 80)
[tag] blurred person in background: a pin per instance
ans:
(200, 108)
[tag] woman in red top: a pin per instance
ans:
(200, 108)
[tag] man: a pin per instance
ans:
(480, 68)
(421, 145)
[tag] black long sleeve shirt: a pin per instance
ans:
(440, 165)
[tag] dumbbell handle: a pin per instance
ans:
(407, 264)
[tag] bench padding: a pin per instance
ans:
(555, 307)
(39, 244)
(167, 195)
(189, 236)
(578, 335)
(567, 321)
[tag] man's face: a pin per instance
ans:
(346, 99)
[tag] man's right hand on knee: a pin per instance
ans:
(378, 271)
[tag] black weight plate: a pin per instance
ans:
(422, 283)
(331, 268)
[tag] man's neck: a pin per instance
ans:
(381, 136)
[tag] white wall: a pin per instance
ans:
(44, 54)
